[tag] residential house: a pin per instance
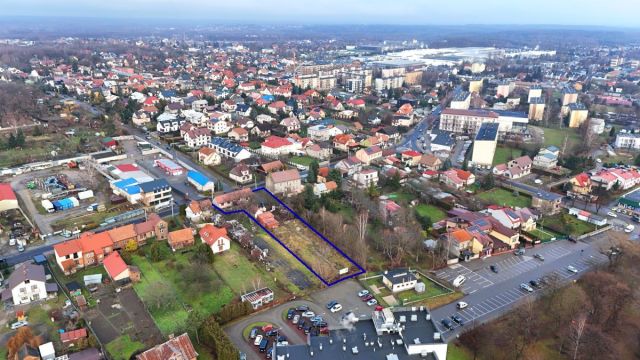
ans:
(515, 168)
(216, 238)
(398, 280)
(230, 150)
(411, 158)
(344, 142)
(197, 137)
(140, 118)
(26, 283)
(287, 182)
(209, 156)
(69, 255)
(198, 210)
(153, 227)
(276, 146)
(291, 124)
(122, 235)
(272, 166)
(457, 178)
(241, 174)
(366, 156)
(232, 198)
(349, 166)
(581, 185)
(179, 239)
(547, 158)
(176, 348)
(324, 188)
(267, 220)
(429, 162)
(239, 134)
(319, 151)
(365, 178)
(116, 268)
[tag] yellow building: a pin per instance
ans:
(475, 85)
(413, 77)
(484, 145)
(536, 109)
(578, 114)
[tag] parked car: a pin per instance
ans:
(320, 324)
(254, 333)
(458, 319)
(447, 324)
(363, 293)
(612, 214)
(331, 304)
(335, 308)
(301, 324)
(534, 283)
(273, 332)
(302, 308)
(316, 318)
(258, 340)
(296, 319)
(459, 280)
(539, 257)
(461, 305)
(572, 269)
(267, 328)
(629, 228)
(263, 345)
(519, 252)
(291, 313)
(20, 248)
(372, 302)
(308, 314)
(367, 297)
(19, 324)
(494, 268)
(526, 287)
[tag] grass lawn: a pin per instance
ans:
(556, 137)
(434, 213)
(400, 196)
(504, 154)
(458, 352)
(209, 300)
(499, 196)
(123, 347)
(239, 273)
(559, 223)
(302, 160)
(544, 234)
(432, 290)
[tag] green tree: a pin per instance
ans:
(11, 143)
(202, 254)
(310, 201)
(446, 165)
(312, 176)
(194, 322)
(489, 181)
(612, 132)
(637, 160)
(335, 175)
(158, 251)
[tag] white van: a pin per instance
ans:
(459, 280)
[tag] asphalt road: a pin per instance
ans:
(490, 295)
(411, 139)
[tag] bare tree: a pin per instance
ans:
(577, 330)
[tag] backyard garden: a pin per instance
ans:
(499, 196)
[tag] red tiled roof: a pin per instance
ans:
(73, 335)
(67, 248)
(114, 265)
(209, 234)
(276, 142)
(179, 347)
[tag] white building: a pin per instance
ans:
(26, 284)
(627, 141)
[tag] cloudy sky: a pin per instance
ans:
(622, 13)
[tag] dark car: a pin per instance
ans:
(447, 324)
(302, 308)
(494, 268)
(534, 283)
(320, 324)
(331, 304)
(290, 313)
(301, 324)
(458, 319)
(307, 329)
(367, 298)
(282, 338)
(273, 332)
(263, 345)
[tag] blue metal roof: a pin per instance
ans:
(198, 177)
(156, 184)
(487, 131)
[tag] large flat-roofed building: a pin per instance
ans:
(536, 108)
(535, 91)
(399, 334)
(484, 145)
(465, 121)
(578, 113)
(627, 141)
(461, 100)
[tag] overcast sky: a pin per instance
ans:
(622, 13)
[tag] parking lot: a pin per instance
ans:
(346, 293)
(479, 276)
